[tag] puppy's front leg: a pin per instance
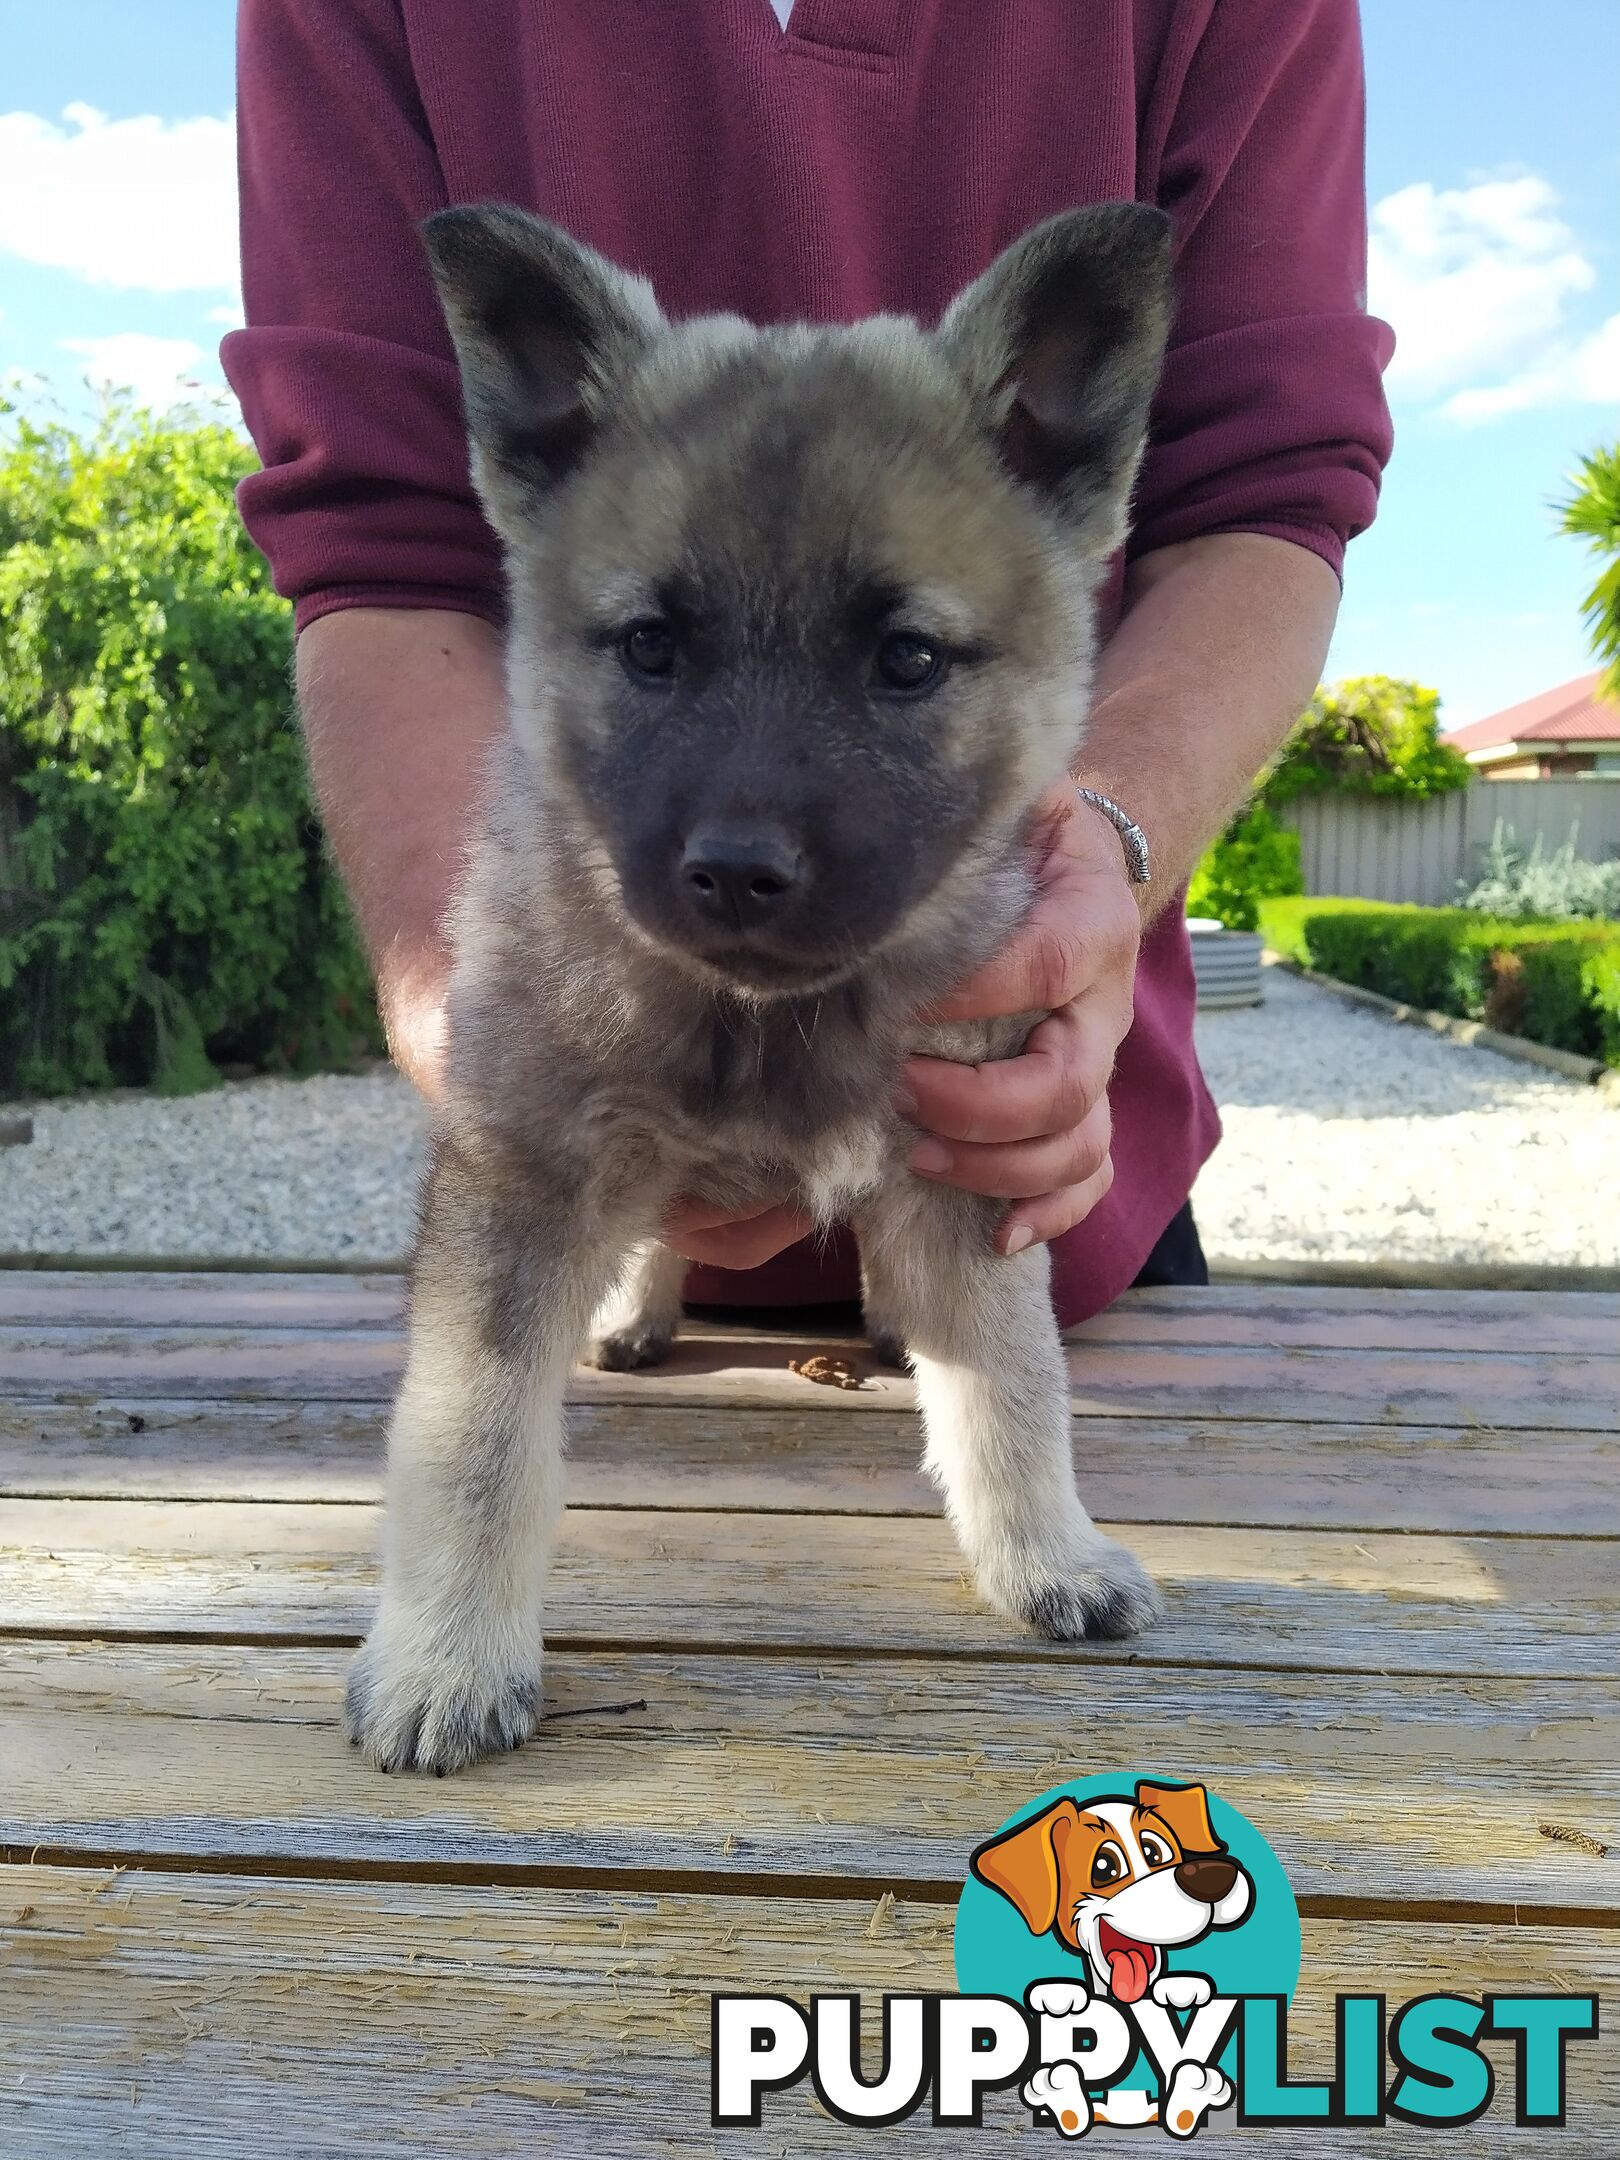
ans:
(994, 1391)
(504, 1284)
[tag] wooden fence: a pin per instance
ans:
(1422, 851)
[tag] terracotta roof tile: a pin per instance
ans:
(1571, 713)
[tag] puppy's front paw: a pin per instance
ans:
(633, 1348)
(416, 1702)
(1096, 1592)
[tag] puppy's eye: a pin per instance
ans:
(1155, 1852)
(648, 650)
(910, 664)
(1107, 1867)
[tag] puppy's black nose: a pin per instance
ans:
(1206, 1877)
(739, 874)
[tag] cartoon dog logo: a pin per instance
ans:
(1120, 1880)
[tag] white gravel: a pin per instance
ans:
(322, 1169)
(1348, 1137)
(1354, 1137)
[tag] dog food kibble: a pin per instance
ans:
(1582, 1840)
(826, 1371)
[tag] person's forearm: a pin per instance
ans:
(399, 708)
(1219, 651)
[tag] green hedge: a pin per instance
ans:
(165, 904)
(1556, 983)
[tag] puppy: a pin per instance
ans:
(800, 629)
(1120, 1880)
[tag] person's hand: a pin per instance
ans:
(1035, 1129)
(715, 1237)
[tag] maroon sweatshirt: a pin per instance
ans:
(875, 156)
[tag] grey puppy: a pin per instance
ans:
(800, 629)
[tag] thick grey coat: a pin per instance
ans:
(800, 628)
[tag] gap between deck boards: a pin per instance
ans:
(684, 1882)
(1086, 1657)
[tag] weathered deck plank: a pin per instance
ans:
(159, 2013)
(1262, 1473)
(1236, 1315)
(851, 1771)
(1579, 1392)
(1330, 1600)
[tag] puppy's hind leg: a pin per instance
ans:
(636, 1326)
(504, 1284)
(994, 1391)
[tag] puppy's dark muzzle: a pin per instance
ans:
(1207, 1877)
(739, 878)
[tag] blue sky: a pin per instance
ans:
(1493, 168)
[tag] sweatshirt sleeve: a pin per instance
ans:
(344, 370)
(1270, 416)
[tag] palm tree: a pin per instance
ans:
(1592, 513)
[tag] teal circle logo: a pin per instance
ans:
(1149, 1890)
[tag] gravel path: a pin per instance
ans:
(1353, 1137)
(1347, 1137)
(291, 1169)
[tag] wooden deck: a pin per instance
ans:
(1388, 1523)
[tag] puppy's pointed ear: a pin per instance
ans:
(543, 327)
(1025, 1864)
(1060, 343)
(1185, 1808)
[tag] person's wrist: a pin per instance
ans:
(1093, 842)
(1131, 840)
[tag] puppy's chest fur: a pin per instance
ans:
(807, 1087)
(568, 1038)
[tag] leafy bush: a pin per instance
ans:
(1559, 887)
(1556, 983)
(1253, 859)
(164, 901)
(1370, 735)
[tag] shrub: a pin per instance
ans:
(164, 900)
(1253, 859)
(1559, 887)
(1369, 735)
(1556, 983)
(1600, 976)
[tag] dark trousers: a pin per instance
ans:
(1178, 1257)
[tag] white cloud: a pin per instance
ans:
(143, 204)
(158, 372)
(1586, 372)
(1476, 280)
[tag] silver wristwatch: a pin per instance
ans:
(1132, 837)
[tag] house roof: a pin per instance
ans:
(1571, 713)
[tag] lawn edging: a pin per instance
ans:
(1591, 1071)
(1522, 988)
